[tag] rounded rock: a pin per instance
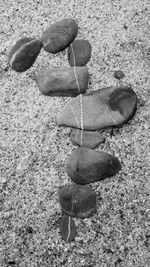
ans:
(86, 166)
(24, 53)
(63, 81)
(59, 35)
(119, 74)
(79, 52)
(77, 200)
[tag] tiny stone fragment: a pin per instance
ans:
(79, 52)
(67, 228)
(77, 200)
(110, 106)
(24, 53)
(24, 163)
(84, 138)
(63, 81)
(59, 35)
(86, 165)
(118, 74)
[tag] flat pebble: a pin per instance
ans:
(77, 200)
(59, 35)
(67, 228)
(63, 81)
(86, 165)
(110, 106)
(24, 53)
(79, 52)
(83, 138)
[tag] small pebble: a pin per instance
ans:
(24, 53)
(83, 138)
(86, 165)
(63, 81)
(67, 228)
(77, 200)
(118, 74)
(79, 52)
(59, 35)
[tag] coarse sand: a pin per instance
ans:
(34, 151)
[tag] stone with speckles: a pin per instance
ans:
(119, 74)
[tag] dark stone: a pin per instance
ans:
(59, 35)
(125, 27)
(67, 228)
(83, 138)
(86, 166)
(24, 53)
(110, 106)
(118, 74)
(122, 100)
(79, 52)
(77, 200)
(61, 81)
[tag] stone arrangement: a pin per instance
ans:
(85, 114)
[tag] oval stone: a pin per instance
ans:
(24, 53)
(83, 138)
(59, 35)
(79, 52)
(119, 74)
(63, 81)
(77, 200)
(86, 166)
(110, 106)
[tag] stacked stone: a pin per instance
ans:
(85, 114)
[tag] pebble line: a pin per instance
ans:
(79, 90)
(81, 99)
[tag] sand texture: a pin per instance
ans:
(34, 151)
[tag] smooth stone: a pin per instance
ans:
(79, 52)
(77, 200)
(59, 35)
(83, 138)
(24, 53)
(86, 165)
(118, 74)
(67, 228)
(110, 106)
(63, 81)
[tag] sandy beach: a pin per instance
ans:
(34, 150)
